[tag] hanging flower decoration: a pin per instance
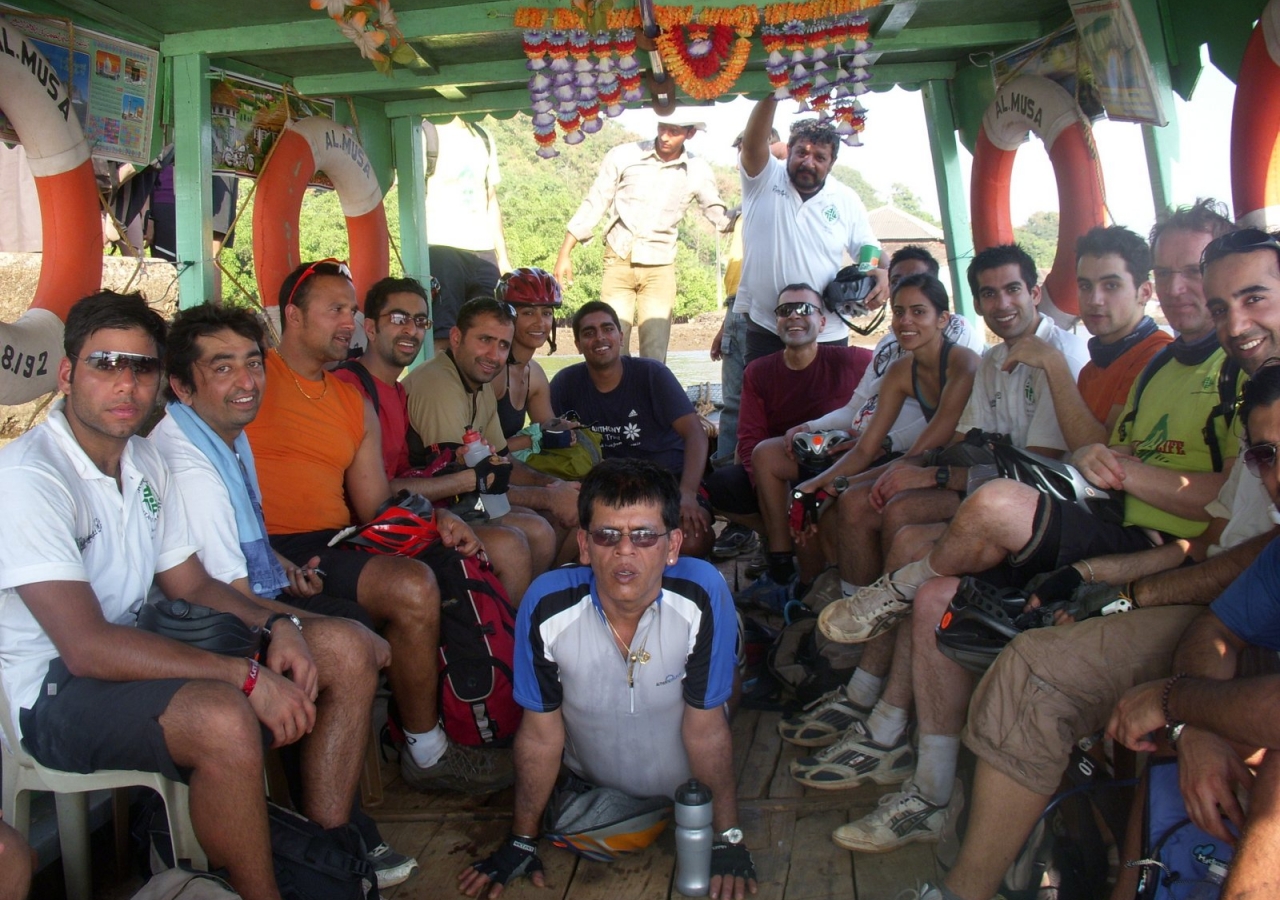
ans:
(372, 26)
(706, 53)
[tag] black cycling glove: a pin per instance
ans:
(732, 861)
(501, 472)
(516, 857)
(1056, 586)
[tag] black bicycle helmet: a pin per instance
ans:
(981, 620)
(846, 297)
(199, 626)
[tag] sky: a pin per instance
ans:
(896, 149)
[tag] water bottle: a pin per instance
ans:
(693, 838)
(474, 449)
(1210, 887)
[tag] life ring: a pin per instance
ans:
(1255, 127)
(303, 147)
(38, 105)
(1035, 104)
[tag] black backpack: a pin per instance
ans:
(314, 863)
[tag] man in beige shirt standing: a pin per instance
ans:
(644, 189)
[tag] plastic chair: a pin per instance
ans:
(22, 774)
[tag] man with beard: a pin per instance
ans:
(396, 321)
(640, 411)
(797, 224)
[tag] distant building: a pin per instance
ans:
(897, 228)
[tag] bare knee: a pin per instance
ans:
(930, 603)
(402, 592)
(343, 653)
(209, 723)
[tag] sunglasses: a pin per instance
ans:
(1261, 458)
(114, 362)
(787, 310)
(310, 270)
(1246, 240)
(640, 538)
(403, 318)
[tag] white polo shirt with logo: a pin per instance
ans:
(787, 240)
(64, 520)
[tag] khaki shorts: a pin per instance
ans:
(1052, 686)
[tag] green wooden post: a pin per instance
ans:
(955, 207)
(1161, 143)
(406, 139)
(193, 178)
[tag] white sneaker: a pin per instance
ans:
(856, 758)
(902, 818)
(824, 721)
(869, 612)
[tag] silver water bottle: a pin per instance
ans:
(693, 838)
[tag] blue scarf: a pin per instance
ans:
(266, 575)
(1104, 355)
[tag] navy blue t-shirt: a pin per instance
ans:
(635, 418)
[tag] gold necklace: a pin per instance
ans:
(298, 384)
(629, 656)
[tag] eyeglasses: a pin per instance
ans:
(114, 362)
(310, 270)
(787, 310)
(641, 538)
(1190, 273)
(1246, 240)
(403, 318)
(1260, 458)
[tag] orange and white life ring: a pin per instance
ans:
(38, 105)
(1255, 127)
(307, 145)
(1025, 104)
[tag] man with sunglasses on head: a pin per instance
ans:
(397, 321)
(453, 392)
(92, 517)
(624, 666)
(640, 411)
(318, 448)
(780, 391)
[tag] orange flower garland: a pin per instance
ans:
(702, 62)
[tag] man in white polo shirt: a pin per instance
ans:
(796, 226)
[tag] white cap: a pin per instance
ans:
(685, 120)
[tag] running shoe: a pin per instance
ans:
(464, 769)
(902, 818)
(733, 541)
(767, 594)
(872, 610)
(853, 759)
(823, 721)
(391, 867)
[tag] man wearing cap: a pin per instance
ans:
(642, 192)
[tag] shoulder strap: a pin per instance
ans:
(1228, 375)
(1157, 363)
(366, 381)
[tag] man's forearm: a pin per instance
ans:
(1245, 710)
(1075, 419)
(709, 744)
(1184, 494)
(524, 475)
(1122, 568)
(1201, 583)
(537, 764)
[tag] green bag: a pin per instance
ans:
(569, 463)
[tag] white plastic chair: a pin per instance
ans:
(22, 774)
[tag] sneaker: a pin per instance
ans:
(392, 868)
(765, 593)
(825, 590)
(902, 818)
(853, 759)
(872, 610)
(464, 769)
(823, 721)
(734, 540)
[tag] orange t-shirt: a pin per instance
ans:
(1105, 388)
(303, 448)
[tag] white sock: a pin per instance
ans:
(426, 748)
(936, 766)
(886, 723)
(863, 688)
(848, 589)
(911, 576)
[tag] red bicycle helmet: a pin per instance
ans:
(530, 287)
(434, 288)
(403, 526)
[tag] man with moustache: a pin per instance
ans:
(644, 189)
(797, 224)
(318, 450)
(640, 411)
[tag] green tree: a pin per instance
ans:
(1039, 237)
(906, 200)
(851, 177)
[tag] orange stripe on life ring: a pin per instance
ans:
(1255, 127)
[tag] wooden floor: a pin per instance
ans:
(788, 829)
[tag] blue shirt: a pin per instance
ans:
(1250, 606)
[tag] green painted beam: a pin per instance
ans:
(451, 92)
(899, 15)
(956, 228)
(373, 127)
(753, 84)
(1162, 144)
(411, 177)
(193, 178)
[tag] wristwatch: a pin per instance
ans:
(1173, 732)
(731, 835)
(297, 623)
(942, 476)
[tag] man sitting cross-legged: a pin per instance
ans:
(624, 667)
(92, 517)
(318, 448)
(214, 359)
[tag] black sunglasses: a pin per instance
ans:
(403, 318)
(1246, 240)
(1260, 458)
(114, 362)
(640, 537)
(787, 310)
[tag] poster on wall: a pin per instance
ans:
(113, 86)
(247, 116)
(1056, 57)
(1112, 45)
